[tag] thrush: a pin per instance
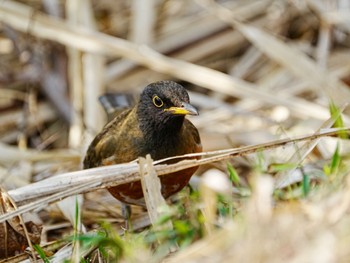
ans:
(155, 125)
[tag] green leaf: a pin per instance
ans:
(327, 170)
(306, 184)
(336, 159)
(338, 120)
(164, 218)
(41, 253)
(181, 227)
(104, 244)
(76, 219)
(233, 174)
(280, 167)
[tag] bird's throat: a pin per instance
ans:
(161, 136)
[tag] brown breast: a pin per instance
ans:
(171, 184)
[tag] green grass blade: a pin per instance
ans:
(336, 159)
(233, 174)
(281, 167)
(338, 123)
(306, 184)
(41, 253)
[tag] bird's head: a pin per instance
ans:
(165, 104)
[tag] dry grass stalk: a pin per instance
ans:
(143, 21)
(75, 81)
(11, 154)
(151, 188)
(20, 17)
(292, 59)
(93, 78)
(196, 31)
(16, 233)
(51, 190)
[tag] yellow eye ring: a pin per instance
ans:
(157, 101)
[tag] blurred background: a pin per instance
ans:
(277, 79)
(256, 70)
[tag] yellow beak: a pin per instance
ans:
(186, 109)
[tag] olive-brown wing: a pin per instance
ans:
(108, 147)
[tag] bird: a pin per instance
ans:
(155, 125)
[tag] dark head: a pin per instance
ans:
(163, 106)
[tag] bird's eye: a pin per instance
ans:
(157, 101)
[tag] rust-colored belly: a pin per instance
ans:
(131, 193)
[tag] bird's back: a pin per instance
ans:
(105, 148)
(113, 144)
